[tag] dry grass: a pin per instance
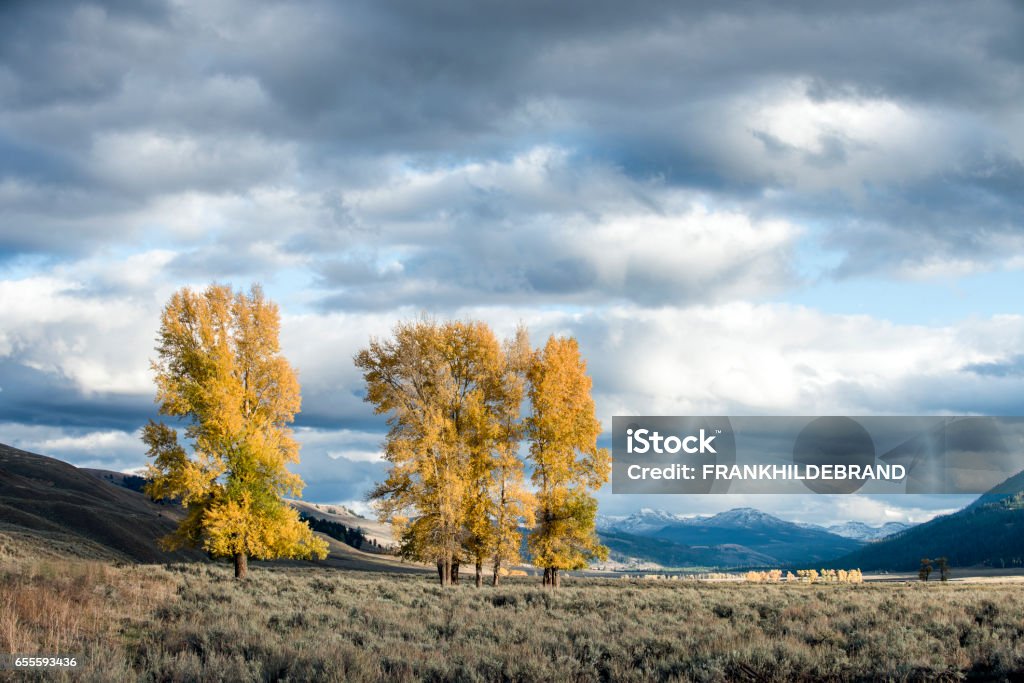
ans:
(76, 608)
(193, 622)
(21, 544)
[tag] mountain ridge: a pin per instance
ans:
(988, 532)
(745, 531)
(647, 520)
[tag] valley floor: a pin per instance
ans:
(194, 622)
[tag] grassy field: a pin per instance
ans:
(194, 622)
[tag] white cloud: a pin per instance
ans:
(102, 449)
(100, 341)
(353, 445)
(784, 136)
(567, 229)
(776, 359)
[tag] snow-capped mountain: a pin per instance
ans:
(742, 518)
(863, 532)
(644, 522)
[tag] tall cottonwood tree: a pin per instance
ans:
(219, 368)
(567, 463)
(439, 384)
(500, 504)
(512, 504)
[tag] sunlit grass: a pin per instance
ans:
(191, 622)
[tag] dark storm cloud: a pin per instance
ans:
(417, 71)
(974, 212)
(34, 397)
(107, 107)
(58, 52)
(337, 479)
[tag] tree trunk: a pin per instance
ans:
(241, 565)
(455, 573)
(479, 574)
(440, 571)
(497, 571)
(552, 578)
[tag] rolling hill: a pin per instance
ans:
(49, 508)
(53, 506)
(371, 528)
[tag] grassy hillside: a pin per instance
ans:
(50, 509)
(43, 498)
(193, 622)
(379, 532)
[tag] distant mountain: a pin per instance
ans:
(378, 532)
(988, 532)
(862, 532)
(1008, 489)
(785, 542)
(738, 537)
(745, 518)
(49, 507)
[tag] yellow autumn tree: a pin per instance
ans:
(567, 463)
(511, 503)
(499, 504)
(219, 369)
(439, 385)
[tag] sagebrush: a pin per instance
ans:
(194, 622)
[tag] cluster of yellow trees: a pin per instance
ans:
(454, 396)
(807, 576)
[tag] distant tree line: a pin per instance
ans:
(132, 482)
(336, 530)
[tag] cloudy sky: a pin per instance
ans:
(809, 208)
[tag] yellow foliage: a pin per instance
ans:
(219, 367)
(771, 576)
(455, 487)
(563, 433)
(827, 575)
(510, 504)
(452, 396)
